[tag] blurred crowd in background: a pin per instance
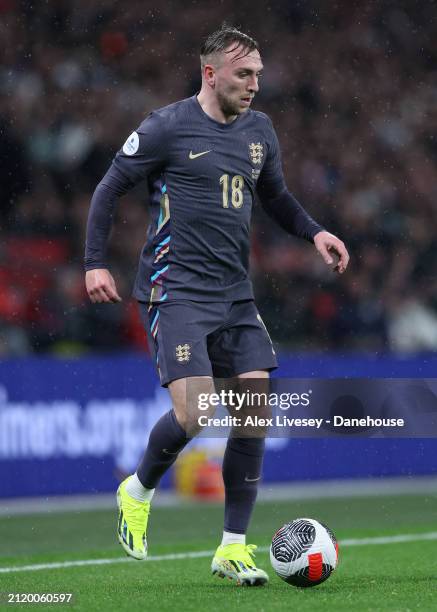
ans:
(351, 88)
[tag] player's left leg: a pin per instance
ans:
(242, 467)
(242, 350)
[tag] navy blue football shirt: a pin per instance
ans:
(202, 177)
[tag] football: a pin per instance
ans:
(304, 552)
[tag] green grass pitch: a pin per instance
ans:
(390, 576)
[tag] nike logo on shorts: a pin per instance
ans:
(252, 479)
(194, 155)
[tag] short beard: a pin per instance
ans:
(228, 107)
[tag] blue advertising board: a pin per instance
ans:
(75, 426)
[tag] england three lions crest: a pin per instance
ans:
(256, 152)
(183, 353)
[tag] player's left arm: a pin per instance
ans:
(283, 207)
(327, 245)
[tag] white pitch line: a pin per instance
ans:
(82, 562)
(396, 539)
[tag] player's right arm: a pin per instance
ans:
(142, 153)
(100, 286)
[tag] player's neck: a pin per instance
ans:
(210, 106)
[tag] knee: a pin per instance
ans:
(185, 393)
(188, 420)
(181, 416)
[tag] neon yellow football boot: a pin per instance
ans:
(132, 523)
(235, 561)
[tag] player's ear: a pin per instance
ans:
(209, 74)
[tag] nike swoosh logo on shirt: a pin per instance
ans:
(252, 479)
(194, 155)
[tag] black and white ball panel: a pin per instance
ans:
(304, 552)
(292, 540)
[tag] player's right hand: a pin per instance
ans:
(100, 287)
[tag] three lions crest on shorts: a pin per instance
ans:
(183, 353)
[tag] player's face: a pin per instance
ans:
(236, 80)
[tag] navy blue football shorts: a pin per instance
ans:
(220, 339)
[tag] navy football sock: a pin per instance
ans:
(242, 465)
(166, 440)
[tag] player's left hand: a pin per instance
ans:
(327, 244)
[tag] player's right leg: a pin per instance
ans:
(167, 438)
(180, 345)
